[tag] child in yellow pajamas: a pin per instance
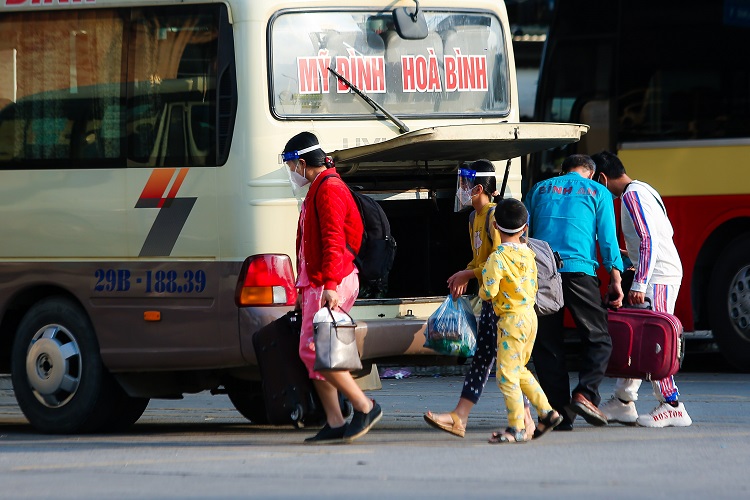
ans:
(509, 281)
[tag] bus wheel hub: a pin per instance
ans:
(739, 301)
(53, 366)
(46, 366)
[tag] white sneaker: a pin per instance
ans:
(666, 415)
(617, 411)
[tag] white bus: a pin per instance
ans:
(146, 223)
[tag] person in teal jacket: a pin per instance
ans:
(573, 214)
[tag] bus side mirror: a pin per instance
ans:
(410, 25)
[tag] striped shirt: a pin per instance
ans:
(648, 237)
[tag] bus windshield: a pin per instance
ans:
(461, 67)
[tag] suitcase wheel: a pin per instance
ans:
(296, 415)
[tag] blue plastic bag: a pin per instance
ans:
(452, 329)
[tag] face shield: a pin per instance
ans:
(298, 181)
(294, 155)
(464, 185)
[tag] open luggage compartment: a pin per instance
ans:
(432, 239)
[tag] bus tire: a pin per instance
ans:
(247, 398)
(127, 412)
(729, 303)
(59, 380)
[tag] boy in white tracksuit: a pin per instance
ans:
(658, 274)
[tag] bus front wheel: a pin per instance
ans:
(126, 412)
(58, 376)
(247, 398)
(729, 303)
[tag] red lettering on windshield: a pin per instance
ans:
(420, 73)
(312, 73)
(367, 73)
(465, 72)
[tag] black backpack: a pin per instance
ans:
(378, 248)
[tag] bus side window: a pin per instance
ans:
(49, 138)
(709, 120)
(141, 142)
(112, 130)
(175, 152)
(677, 115)
(201, 133)
(88, 143)
(8, 127)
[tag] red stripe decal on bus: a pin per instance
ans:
(157, 183)
(173, 211)
(177, 183)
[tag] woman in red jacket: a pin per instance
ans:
(328, 222)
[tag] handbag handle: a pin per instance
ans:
(340, 310)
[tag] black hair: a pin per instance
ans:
(511, 213)
(488, 182)
(314, 158)
(609, 164)
(578, 160)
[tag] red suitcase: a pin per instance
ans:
(646, 344)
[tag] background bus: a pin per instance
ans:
(147, 225)
(667, 86)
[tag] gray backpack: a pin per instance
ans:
(549, 295)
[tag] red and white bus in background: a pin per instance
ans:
(147, 225)
(667, 86)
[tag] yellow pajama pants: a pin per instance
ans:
(515, 340)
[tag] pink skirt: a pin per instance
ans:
(310, 297)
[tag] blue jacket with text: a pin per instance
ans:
(571, 213)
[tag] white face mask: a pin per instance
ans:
(464, 196)
(606, 186)
(298, 179)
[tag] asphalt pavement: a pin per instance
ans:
(200, 447)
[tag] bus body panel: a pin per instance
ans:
(138, 156)
(42, 230)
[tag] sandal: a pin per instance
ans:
(530, 429)
(456, 428)
(509, 436)
(551, 420)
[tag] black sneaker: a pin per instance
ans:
(328, 435)
(362, 422)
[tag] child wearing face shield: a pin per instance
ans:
(329, 222)
(476, 188)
